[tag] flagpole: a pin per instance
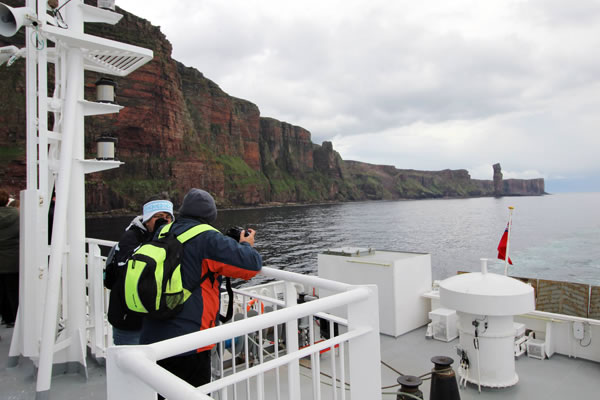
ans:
(510, 211)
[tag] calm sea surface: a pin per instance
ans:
(553, 237)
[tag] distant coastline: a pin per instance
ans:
(193, 134)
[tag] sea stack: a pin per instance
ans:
(498, 184)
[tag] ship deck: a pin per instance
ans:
(559, 377)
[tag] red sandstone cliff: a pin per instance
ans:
(180, 130)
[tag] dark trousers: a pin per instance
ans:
(193, 368)
(9, 297)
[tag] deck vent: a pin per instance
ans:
(486, 304)
(535, 349)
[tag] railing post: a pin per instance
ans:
(122, 385)
(96, 300)
(291, 339)
(364, 353)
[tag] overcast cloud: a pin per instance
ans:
(426, 85)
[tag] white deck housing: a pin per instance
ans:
(400, 276)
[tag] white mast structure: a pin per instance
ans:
(52, 323)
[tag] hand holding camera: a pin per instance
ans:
(241, 235)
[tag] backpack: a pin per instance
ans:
(153, 283)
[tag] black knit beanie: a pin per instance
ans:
(199, 204)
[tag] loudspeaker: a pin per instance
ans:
(12, 19)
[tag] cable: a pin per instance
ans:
(389, 387)
(37, 39)
(437, 371)
(60, 21)
(392, 368)
(64, 4)
(325, 375)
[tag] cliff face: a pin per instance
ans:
(180, 130)
(524, 187)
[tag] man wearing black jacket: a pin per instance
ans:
(126, 323)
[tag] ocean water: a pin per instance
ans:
(553, 237)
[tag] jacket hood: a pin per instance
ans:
(137, 222)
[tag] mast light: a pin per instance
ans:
(105, 90)
(106, 147)
(107, 4)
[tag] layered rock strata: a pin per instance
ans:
(180, 130)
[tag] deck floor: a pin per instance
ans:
(560, 377)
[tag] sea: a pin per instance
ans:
(554, 237)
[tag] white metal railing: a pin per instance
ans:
(99, 336)
(269, 364)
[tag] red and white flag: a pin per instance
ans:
(502, 246)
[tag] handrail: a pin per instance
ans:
(270, 300)
(554, 317)
(309, 280)
(101, 242)
(170, 347)
(132, 371)
(278, 362)
(134, 359)
(260, 297)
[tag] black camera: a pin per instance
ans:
(235, 232)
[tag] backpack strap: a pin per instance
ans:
(164, 230)
(227, 317)
(194, 231)
(211, 275)
(189, 234)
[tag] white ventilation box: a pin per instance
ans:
(443, 322)
(401, 279)
(536, 349)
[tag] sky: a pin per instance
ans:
(426, 85)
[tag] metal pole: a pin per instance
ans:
(59, 229)
(364, 352)
(510, 211)
(291, 337)
(31, 104)
(76, 265)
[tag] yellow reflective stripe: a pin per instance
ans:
(134, 270)
(175, 284)
(165, 229)
(186, 294)
(158, 276)
(196, 230)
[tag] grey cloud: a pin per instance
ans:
(523, 85)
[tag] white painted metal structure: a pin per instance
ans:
(486, 304)
(51, 326)
(132, 371)
(400, 276)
